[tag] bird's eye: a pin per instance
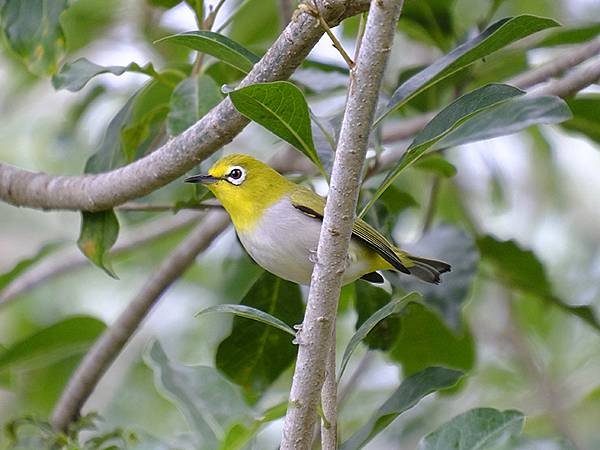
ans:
(236, 175)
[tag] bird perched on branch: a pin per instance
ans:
(278, 223)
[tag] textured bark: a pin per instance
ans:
(112, 341)
(316, 337)
(103, 191)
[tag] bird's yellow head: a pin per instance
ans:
(245, 187)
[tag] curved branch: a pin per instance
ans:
(109, 345)
(316, 337)
(103, 191)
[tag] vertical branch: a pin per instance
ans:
(329, 401)
(316, 336)
(109, 345)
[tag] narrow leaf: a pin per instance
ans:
(281, 108)
(477, 429)
(72, 336)
(208, 401)
(24, 264)
(217, 45)
(255, 354)
(521, 269)
(408, 394)
(393, 307)
(239, 435)
(445, 121)
(250, 313)
(33, 32)
(571, 35)
(74, 76)
(496, 36)
(190, 101)
(99, 231)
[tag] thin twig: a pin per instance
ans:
(71, 259)
(316, 336)
(566, 60)
(109, 345)
(432, 203)
(329, 427)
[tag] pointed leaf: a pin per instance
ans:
(190, 101)
(33, 31)
(99, 231)
(217, 45)
(72, 336)
(208, 401)
(281, 108)
(250, 313)
(74, 76)
(477, 429)
(255, 354)
(496, 36)
(522, 270)
(393, 307)
(445, 121)
(410, 392)
(239, 435)
(570, 35)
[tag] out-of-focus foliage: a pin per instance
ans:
(92, 85)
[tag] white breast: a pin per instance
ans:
(284, 239)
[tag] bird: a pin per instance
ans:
(278, 222)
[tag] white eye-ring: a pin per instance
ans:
(236, 175)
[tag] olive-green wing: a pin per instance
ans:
(313, 205)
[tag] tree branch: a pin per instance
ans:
(112, 341)
(565, 61)
(103, 191)
(316, 337)
(67, 260)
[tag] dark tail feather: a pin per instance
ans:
(428, 270)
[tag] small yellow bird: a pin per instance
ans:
(278, 223)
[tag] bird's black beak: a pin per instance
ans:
(204, 179)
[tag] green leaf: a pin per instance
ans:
(425, 341)
(521, 269)
(74, 76)
(208, 401)
(443, 123)
(437, 164)
(255, 353)
(430, 22)
(99, 231)
(586, 119)
(239, 435)
(190, 101)
(217, 45)
(508, 117)
(496, 36)
(72, 336)
(410, 392)
(281, 108)
(571, 35)
(456, 247)
(369, 299)
(33, 32)
(477, 429)
(24, 264)
(250, 313)
(485, 113)
(392, 307)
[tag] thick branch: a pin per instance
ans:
(97, 192)
(64, 261)
(109, 345)
(316, 336)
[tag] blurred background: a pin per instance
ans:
(539, 187)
